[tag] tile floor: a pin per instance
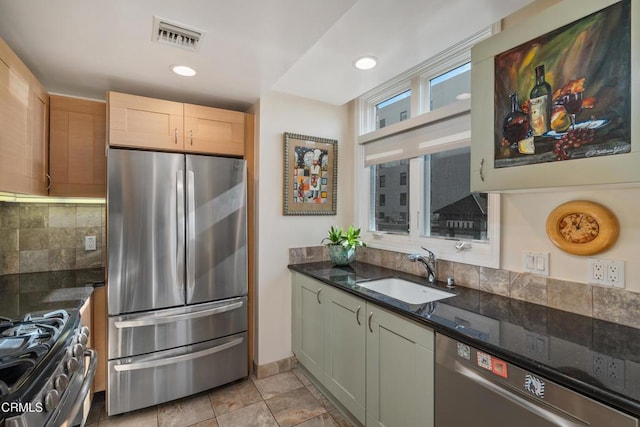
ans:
(283, 400)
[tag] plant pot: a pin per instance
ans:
(340, 255)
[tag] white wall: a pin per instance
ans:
(278, 113)
(523, 228)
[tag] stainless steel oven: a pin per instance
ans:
(46, 370)
(476, 388)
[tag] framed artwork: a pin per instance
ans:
(310, 175)
(555, 99)
(565, 95)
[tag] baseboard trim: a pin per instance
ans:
(273, 368)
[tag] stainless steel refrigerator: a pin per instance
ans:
(177, 276)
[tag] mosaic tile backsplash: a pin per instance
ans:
(610, 304)
(49, 237)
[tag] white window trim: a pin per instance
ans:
(483, 253)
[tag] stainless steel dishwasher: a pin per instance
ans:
(475, 388)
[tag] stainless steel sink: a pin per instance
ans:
(404, 290)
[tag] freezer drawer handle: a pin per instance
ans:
(184, 316)
(178, 359)
(538, 410)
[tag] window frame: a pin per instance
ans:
(483, 253)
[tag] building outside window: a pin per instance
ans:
(393, 110)
(389, 217)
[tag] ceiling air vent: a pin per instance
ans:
(174, 34)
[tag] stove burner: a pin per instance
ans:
(24, 342)
(29, 329)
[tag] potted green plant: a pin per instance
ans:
(342, 244)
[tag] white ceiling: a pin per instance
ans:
(302, 47)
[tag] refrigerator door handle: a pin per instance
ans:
(177, 359)
(180, 227)
(151, 321)
(191, 232)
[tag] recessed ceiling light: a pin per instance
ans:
(183, 70)
(365, 63)
(463, 96)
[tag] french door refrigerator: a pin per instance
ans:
(177, 276)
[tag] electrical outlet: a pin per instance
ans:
(597, 270)
(606, 272)
(90, 243)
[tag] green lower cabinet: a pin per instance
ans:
(309, 307)
(345, 356)
(377, 364)
(400, 371)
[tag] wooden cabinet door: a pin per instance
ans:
(99, 336)
(400, 371)
(15, 147)
(310, 302)
(77, 160)
(38, 139)
(213, 131)
(136, 121)
(345, 351)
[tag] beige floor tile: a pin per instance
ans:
(142, 418)
(277, 384)
(340, 419)
(324, 420)
(294, 407)
(256, 415)
(321, 397)
(207, 423)
(301, 376)
(233, 397)
(185, 412)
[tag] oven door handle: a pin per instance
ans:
(82, 395)
(177, 359)
(151, 321)
(553, 418)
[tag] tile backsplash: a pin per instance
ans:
(610, 304)
(49, 237)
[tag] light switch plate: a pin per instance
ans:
(536, 262)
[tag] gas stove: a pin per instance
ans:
(44, 373)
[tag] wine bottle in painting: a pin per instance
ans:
(515, 126)
(540, 101)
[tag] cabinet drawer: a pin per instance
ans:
(169, 375)
(144, 333)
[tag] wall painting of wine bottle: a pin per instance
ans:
(566, 94)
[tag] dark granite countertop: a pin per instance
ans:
(596, 358)
(45, 291)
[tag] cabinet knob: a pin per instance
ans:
(176, 135)
(370, 317)
(191, 136)
(318, 295)
(482, 170)
(48, 182)
(358, 315)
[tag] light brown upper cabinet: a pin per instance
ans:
(77, 161)
(24, 106)
(212, 130)
(136, 121)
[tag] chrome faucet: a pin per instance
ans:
(428, 261)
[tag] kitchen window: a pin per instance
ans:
(393, 110)
(423, 162)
